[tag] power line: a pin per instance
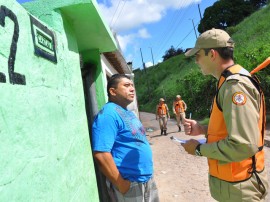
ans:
(115, 11)
(172, 31)
(186, 36)
(119, 12)
(169, 30)
(171, 23)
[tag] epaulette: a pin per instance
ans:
(233, 77)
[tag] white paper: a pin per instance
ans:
(201, 141)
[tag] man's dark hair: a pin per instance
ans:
(114, 80)
(225, 53)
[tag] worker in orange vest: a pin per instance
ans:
(179, 108)
(162, 114)
(236, 129)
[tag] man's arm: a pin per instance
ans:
(185, 105)
(173, 108)
(168, 114)
(109, 169)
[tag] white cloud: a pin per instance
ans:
(148, 64)
(124, 40)
(129, 58)
(128, 19)
(143, 33)
(125, 15)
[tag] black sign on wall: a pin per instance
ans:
(43, 40)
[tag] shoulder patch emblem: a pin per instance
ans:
(239, 98)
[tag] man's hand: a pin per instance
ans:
(192, 127)
(190, 146)
(109, 169)
(124, 186)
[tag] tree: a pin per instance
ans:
(226, 13)
(258, 3)
(172, 52)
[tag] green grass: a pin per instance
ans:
(204, 121)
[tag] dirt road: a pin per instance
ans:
(180, 177)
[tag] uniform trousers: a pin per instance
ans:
(163, 122)
(245, 191)
(180, 118)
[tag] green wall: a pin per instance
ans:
(44, 138)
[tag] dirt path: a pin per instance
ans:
(180, 177)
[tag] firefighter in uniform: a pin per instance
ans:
(235, 133)
(162, 114)
(179, 108)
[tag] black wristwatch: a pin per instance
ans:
(198, 150)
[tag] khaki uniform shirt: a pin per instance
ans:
(243, 132)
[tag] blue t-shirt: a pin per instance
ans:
(119, 131)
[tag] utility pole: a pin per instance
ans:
(194, 28)
(200, 11)
(142, 61)
(201, 17)
(148, 89)
(152, 56)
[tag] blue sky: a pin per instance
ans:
(152, 25)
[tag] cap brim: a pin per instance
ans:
(191, 52)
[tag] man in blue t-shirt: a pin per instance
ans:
(121, 148)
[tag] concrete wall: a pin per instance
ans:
(44, 138)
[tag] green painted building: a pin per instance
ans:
(55, 58)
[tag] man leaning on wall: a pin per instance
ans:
(121, 148)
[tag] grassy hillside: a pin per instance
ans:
(180, 75)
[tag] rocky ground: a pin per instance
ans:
(180, 177)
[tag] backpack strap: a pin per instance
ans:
(225, 74)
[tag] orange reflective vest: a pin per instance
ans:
(234, 171)
(179, 106)
(162, 109)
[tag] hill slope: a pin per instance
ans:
(180, 75)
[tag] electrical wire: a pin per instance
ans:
(171, 33)
(184, 38)
(119, 13)
(172, 22)
(115, 12)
